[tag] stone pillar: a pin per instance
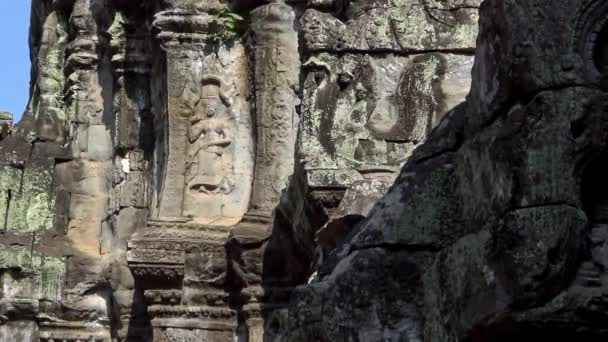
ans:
(184, 51)
(276, 76)
(49, 109)
(276, 69)
(204, 171)
(171, 202)
(255, 326)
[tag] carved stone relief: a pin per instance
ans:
(209, 137)
(217, 186)
(178, 335)
(276, 75)
(363, 112)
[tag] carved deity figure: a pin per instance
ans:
(209, 140)
(209, 160)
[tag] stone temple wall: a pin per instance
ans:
(321, 170)
(184, 168)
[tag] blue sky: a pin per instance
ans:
(14, 56)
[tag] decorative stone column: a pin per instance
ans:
(81, 179)
(204, 162)
(276, 70)
(276, 80)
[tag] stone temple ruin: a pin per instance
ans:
(308, 170)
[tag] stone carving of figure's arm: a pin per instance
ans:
(196, 128)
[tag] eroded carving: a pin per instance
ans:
(209, 162)
(210, 174)
(276, 74)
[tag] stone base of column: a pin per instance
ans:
(74, 332)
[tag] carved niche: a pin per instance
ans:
(206, 149)
(214, 185)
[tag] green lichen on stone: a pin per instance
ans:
(310, 149)
(6, 116)
(313, 153)
(10, 183)
(431, 212)
(38, 213)
(49, 277)
(30, 209)
(429, 73)
(466, 35)
(433, 24)
(419, 91)
(15, 271)
(317, 63)
(412, 26)
(15, 257)
(117, 32)
(31, 276)
(381, 30)
(400, 153)
(49, 99)
(458, 275)
(10, 178)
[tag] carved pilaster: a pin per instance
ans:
(175, 24)
(276, 72)
(205, 139)
(204, 172)
(88, 94)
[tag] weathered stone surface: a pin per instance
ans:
(410, 25)
(184, 167)
(502, 208)
(358, 200)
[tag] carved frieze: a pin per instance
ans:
(70, 332)
(401, 25)
(364, 112)
(166, 243)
